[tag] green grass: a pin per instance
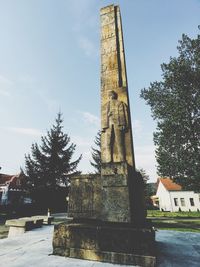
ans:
(3, 231)
(180, 214)
(176, 221)
(177, 225)
(58, 220)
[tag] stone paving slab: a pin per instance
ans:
(34, 248)
(178, 249)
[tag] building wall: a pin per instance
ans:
(164, 198)
(185, 204)
(184, 200)
(4, 195)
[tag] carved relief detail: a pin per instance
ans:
(114, 126)
(81, 198)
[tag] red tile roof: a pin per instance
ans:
(170, 185)
(14, 181)
(5, 178)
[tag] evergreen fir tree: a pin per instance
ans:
(50, 165)
(96, 153)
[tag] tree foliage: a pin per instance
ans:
(175, 104)
(96, 153)
(50, 164)
(145, 176)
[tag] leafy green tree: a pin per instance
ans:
(50, 165)
(96, 153)
(175, 104)
(147, 196)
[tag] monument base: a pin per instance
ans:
(106, 242)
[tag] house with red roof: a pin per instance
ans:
(171, 197)
(11, 188)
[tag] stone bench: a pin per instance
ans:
(37, 222)
(46, 219)
(19, 226)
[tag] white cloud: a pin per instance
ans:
(5, 81)
(4, 92)
(83, 18)
(81, 11)
(137, 126)
(145, 158)
(81, 141)
(5, 85)
(85, 165)
(51, 104)
(91, 119)
(24, 131)
(83, 147)
(26, 78)
(8, 86)
(88, 47)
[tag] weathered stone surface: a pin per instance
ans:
(113, 257)
(120, 181)
(16, 231)
(16, 222)
(113, 79)
(116, 243)
(110, 197)
(37, 222)
(28, 224)
(85, 197)
(19, 226)
(45, 219)
(122, 194)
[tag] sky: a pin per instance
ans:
(50, 62)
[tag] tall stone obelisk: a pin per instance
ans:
(120, 181)
(114, 78)
(107, 210)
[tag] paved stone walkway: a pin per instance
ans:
(34, 248)
(178, 249)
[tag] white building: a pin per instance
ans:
(171, 197)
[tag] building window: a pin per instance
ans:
(192, 201)
(176, 201)
(182, 202)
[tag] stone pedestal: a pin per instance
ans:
(122, 194)
(107, 224)
(106, 242)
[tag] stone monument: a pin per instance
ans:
(108, 219)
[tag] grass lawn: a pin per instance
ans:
(3, 231)
(178, 221)
(180, 214)
(178, 225)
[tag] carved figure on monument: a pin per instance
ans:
(114, 126)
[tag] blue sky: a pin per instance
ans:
(50, 61)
